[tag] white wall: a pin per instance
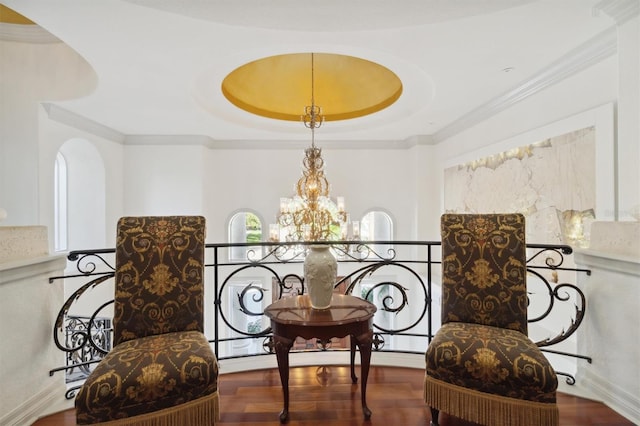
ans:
(256, 179)
(163, 180)
(629, 116)
(31, 73)
(610, 333)
(193, 179)
(427, 186)
(29, 305)
(105, 156)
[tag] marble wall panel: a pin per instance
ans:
(552, 182)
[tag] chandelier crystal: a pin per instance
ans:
(311, 214)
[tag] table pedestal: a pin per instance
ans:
(348, 316)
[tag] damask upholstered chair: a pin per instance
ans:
(161, 370)
(480, 365)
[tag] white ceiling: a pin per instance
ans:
(160, 63)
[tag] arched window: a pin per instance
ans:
(60, 203)
(245, 227)
(377, 225)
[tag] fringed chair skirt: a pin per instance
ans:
(487, 409)
(200, 412)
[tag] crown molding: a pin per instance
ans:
(26, 34)
(185, 140)
(72, 119)
(69, 118)
(584, 56)
(334, 145)
(420, 140)
(272, 144)
(620, 10)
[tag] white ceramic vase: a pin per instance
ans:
(320, 271)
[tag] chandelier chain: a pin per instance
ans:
(311, 215)
(312, 117)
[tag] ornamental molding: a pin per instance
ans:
(620, 10)
(77, 121)
(80, 122)
(582, 57)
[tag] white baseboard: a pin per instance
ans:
(612, 395)
(321, 358)
(578, 389)
(35, 407)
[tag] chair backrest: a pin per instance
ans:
(484, 270)
(159, 285)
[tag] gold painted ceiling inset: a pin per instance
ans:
(10, 16)
(280, 86)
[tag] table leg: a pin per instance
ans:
(364, 343)
(282, 346)
(352, 341)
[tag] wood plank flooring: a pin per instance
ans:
(325, 395)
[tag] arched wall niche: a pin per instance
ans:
(85, 194)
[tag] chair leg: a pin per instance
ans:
(434, 416)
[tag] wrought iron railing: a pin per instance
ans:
(78, 362)
(402, 278)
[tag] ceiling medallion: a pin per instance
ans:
(347, 87)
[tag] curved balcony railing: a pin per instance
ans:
(402, 278)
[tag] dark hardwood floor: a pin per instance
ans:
(325, 395)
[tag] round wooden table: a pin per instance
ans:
(293, 317)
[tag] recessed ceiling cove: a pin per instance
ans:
(281, 86)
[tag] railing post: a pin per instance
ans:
(216, 302)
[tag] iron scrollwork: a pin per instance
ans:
(397, 276)
(84, 339)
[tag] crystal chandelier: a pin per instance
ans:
(311, 215)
